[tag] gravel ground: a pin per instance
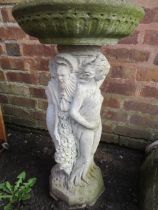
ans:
(32, 151)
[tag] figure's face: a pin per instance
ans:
(88, 73)
(63, 73)
(101, 72)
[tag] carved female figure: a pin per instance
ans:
(85, 112)
(74, 123)
(60, 92)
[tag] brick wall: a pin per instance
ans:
(130, 109)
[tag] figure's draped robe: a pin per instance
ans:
(90, 105)
(63, 136)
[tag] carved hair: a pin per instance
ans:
(89, 61)
(102, 68)
(101, 61)
(96, 62)
(63, 59)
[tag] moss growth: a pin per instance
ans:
(66, 22)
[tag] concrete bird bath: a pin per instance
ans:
(78, 71)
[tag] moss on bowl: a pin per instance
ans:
(78, 22)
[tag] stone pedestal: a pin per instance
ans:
(74, 102)
(81, 195)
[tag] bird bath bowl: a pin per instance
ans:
(78, 22)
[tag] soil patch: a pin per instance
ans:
(32, 151)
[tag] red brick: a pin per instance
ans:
(144, 121)
(151, 15)
(2, 51)
(156, 60)
(11, 33)
(3, 99)
(42, 124)
(13, 49)
(123, 71)
(1, 20)
(43, 64)
(106, 127)
(2, 77)
(111, 102)
(21, 77)
(121, 88)
(146, 3)
(139, 144)
(150, 92)
(38, 93)
(141, 107)
(42, 104)
(11, 63)
(147, 74)
(19, 101)
(43, 78)
(39, 116)
(132, 132)
(39, 63)
(115, 116)
(124, 54)
(133, 39)
(19, 112)
(138, 55)
(13, 89)
(107, 124)
(7, 14)
(151, 37)
(16, 120)
(37, 50)
(110, 138)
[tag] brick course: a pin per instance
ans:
(13, 49)
(151, 37)
(130, 108)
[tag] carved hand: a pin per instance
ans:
(94, 125)
(79, 119)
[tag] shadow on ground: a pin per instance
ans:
(33, 152)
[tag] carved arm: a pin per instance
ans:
(75, 114)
